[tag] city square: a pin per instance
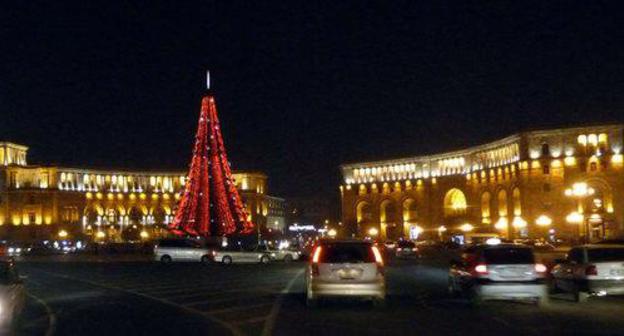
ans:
(309, 168)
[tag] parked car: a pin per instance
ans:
(237, 254)
(12, 295)
(285, 255)
(406, 249)
(590, 270)
(503, 271)
(170, 250)
(345, 269)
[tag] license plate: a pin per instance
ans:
(617, 272)
(349, 273)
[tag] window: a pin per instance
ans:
(593, 166)
(545, 150)
(347, 253)
(605, 254)
(512, 255)
(32, 218)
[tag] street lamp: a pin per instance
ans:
(579, 191)
(62, 234)
(332, 233)
(466, 227)
(373, 232)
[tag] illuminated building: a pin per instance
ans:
(515, 186)
(38, 201)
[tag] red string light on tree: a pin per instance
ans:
(210, 204)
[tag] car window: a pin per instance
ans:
(605, 254)
(576, 255)
(508, 255)
(406, 244)
(347, 253)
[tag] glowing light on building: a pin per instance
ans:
(575, 218)
(543, 220)
(518, 222)
(501, 224)
(466, 227)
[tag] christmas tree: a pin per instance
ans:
(210, 204)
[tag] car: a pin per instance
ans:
(345, 269)
(590, 270)
(170, 250)
(238, 254)
(498, 272)
(406, 249)
(285, 255)
(12, 295)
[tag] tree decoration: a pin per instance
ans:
(210, 204)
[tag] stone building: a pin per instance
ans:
(560, 182)
(39, 201)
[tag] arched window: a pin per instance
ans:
(362, 190)
(517, 206)
(363, 213)
(409, 211)
(387, 212)
(455, 203)
(486, 198)
(502, 203)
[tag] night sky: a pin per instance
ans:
(301, 86)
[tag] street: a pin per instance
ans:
(144, 298)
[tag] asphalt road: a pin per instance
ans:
(191, 299)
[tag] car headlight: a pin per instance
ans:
(11, 250)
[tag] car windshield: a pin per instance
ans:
(511, 255)
(347, 253)
(406, 243)
(605, 254)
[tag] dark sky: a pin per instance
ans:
(301, 86)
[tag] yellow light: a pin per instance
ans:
(144, 234)
(89, 195)
(543, 220)
(418, 230)
(98, 195)
(62, 234)
(582, 139)
(110, 196)
(617, 158)
(466, 227)
(575, 218)
(556, 163)
(501, 224)
(332, 233)
(142, 196)
(535, 164)
(100, 234)
(177, 196)
(120, 196)
(518, 222)
(166, 196)
(155, 196)
(592, 139)
(373, 232)
(132, 197)
(569, 161)
(442, 228)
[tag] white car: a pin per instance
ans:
(236, 254)
(345, 269)
(285, 255)
(170, 250)
(590, 270)
(12, 296)
(495, 272)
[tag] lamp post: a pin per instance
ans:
(579, 191)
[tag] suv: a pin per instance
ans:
(590, 270)
(406, 248)
(168, 250)
(504, 271)
(345, 268)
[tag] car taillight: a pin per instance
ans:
(317, 255)
(414, 249)
(481, 269)
(378, 258)
(399, 249)
(540, 268)
(591, 270)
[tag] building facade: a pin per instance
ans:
(565, 183)
(38, 201)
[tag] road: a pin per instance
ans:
(190, 299)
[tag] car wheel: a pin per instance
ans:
(265, 259)
(226, 260)
(165, 259)
(206, 260)
(288, 258)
